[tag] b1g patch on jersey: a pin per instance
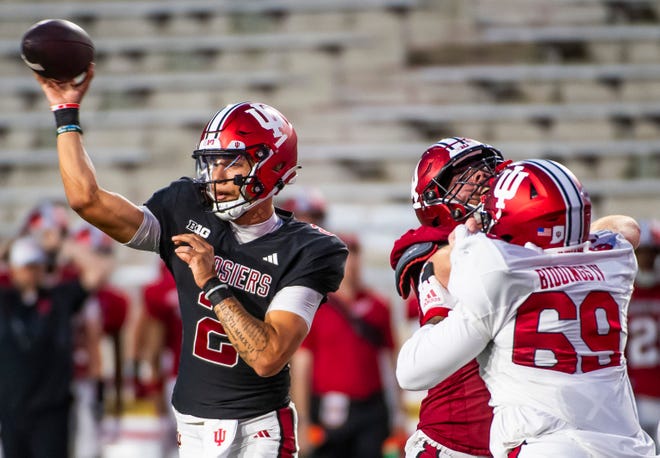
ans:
(198, 229)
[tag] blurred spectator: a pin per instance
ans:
(36, 348)
(158, 336)
(643, 347)
(48, 222)
(103, 315)
(338, 382)
(4, 266)
(307, 204)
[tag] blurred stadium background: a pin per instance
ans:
(368, 85)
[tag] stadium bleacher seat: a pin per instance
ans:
(368, 84)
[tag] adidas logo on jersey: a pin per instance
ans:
(272, 258)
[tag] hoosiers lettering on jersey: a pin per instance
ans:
(243, 277)
(553, 276)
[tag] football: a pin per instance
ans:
(57, 49)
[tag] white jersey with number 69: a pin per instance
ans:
(558, 322)
(549, 331)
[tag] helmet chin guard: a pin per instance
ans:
(234, 209)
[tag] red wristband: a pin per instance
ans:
(433, 312)
(62, 106)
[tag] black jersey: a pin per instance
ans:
(36, 349)
(213, 381)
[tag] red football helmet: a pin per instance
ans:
(450, 178)
(262, 135)
(538, 201)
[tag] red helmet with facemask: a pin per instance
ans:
(264, 137)
(450, 178)
(538, 201)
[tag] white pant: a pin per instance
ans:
(587, 444)
(269, 435)
(416, 445)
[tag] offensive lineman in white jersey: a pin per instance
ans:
(543, 305)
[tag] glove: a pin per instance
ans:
(406, 273)
(410, 251)
(434, 299)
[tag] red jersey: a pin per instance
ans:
(161, 302)
(114, 308)
(455, 413)
(5, 280)
(107, 306)
(643, 347)
(336, 341)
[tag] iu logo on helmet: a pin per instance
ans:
(269, 121)
(507, 187)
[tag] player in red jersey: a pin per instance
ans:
(454, 417)
(338, 373)
(315, 368)
(643, 348)
(158, 335)
(103, 317)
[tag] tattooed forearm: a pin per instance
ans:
(247, 334)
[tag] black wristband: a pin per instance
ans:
(66, 117)
(216, 291)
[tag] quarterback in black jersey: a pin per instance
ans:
(249, 276)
